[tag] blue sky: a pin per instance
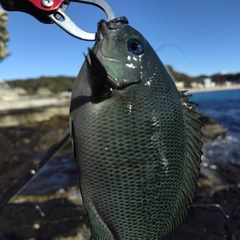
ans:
(195, 37)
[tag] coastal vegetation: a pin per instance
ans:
(218, 78)
(54, 84)
(4, 37)
(64, 83)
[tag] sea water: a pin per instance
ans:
(223, 106)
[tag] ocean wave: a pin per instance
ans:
(221, 151)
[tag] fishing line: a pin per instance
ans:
(179, 49)
(32, 173)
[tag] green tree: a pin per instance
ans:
(3, 35)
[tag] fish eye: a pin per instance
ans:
(135, 46)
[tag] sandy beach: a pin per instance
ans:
(211, 89)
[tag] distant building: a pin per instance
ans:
(228, 83)
(207, 82)
(179, 84)
(197, 85)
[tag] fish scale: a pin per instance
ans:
(135, 151)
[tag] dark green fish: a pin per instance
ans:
(136, 138)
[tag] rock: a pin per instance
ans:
(72, 194)
(32, 115)
(24, 110)
(44, 92)
(211, 129)
(212, 132)
(60, 219)
(24, 146)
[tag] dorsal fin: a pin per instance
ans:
(193, 154)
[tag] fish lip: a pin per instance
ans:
(104, 26)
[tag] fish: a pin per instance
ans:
(136, 138)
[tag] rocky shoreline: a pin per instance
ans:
(23, 146)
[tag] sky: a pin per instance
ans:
(194, 37)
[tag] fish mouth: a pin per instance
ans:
(104, 26)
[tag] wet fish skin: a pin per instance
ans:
(136, 140)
